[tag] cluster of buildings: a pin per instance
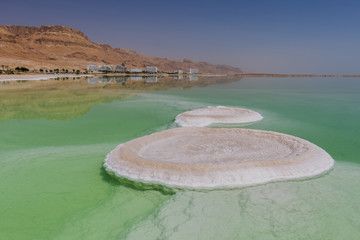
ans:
(191, 71)
(122, 68)
(106, 68)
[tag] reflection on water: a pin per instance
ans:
(53, 99)
(193, 78)
(148, 79)
(69, 98)
(151, 79)
(178, 77)
(94, 80)
(133, 78)
(148, 83)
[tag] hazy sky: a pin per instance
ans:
(292, 36)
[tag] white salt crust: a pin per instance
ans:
(207, 158)
(217, 115)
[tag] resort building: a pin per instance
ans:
(120, 68)
(151, 69)
(193, 71)
(136, 70)
(105, 68)
(178, 71)
(92, 68)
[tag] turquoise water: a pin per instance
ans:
(53, 185)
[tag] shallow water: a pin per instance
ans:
(53, 185)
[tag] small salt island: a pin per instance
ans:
(213, 158)
(219, 115)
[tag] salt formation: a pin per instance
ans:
(208, 158)
(217, 115)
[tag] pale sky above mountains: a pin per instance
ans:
(256, 35)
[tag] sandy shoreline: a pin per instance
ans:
(4, 78)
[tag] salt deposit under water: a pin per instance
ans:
(217, 115)
(208, 158)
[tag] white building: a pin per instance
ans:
(193, 71)
(105, 68)
(151, 69)
(136, 70)
(120, 68)
(178, 71)
(92, 68)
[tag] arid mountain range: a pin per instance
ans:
(50, 47)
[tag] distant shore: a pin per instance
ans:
(25, 77)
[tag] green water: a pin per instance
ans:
(53, 186)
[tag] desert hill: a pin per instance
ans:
(63, 47)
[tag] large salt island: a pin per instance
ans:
(219, 115)
(212, 158)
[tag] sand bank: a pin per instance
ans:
(21, 77)
(206, 158)
(219, 115)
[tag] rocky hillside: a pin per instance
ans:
(63, 47)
